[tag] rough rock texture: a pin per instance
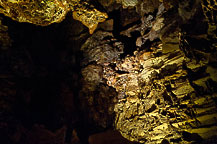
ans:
(157, 101)
(128, 3)
(87, 14)
(47, 12)
(147, 6)
(166, 91)
(98, 95)
(209, 8)
(106, 51)
(40, 13)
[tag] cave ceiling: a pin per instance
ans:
(46, 12)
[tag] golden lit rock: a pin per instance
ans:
(210, 8)
(37, 12)
(90, 19)
(128, 3)
(46, 12)
(87, 14)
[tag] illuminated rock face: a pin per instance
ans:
(157, 102)
(100, 98)
(36, 12)
(146, 105)
(47, 12)
(87, 14)
(210, 10)
(128, 3)
(166, 93)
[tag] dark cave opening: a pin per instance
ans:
(42, 48)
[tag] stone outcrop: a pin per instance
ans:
(46, 12)
(165, 92)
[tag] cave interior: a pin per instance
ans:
(108, 72)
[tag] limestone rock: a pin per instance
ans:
(39, 13)
(147, 6)
(92, 75)
(86, 14)
(45, 12)
(102, 48)
(128, 3)
(157, 93)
